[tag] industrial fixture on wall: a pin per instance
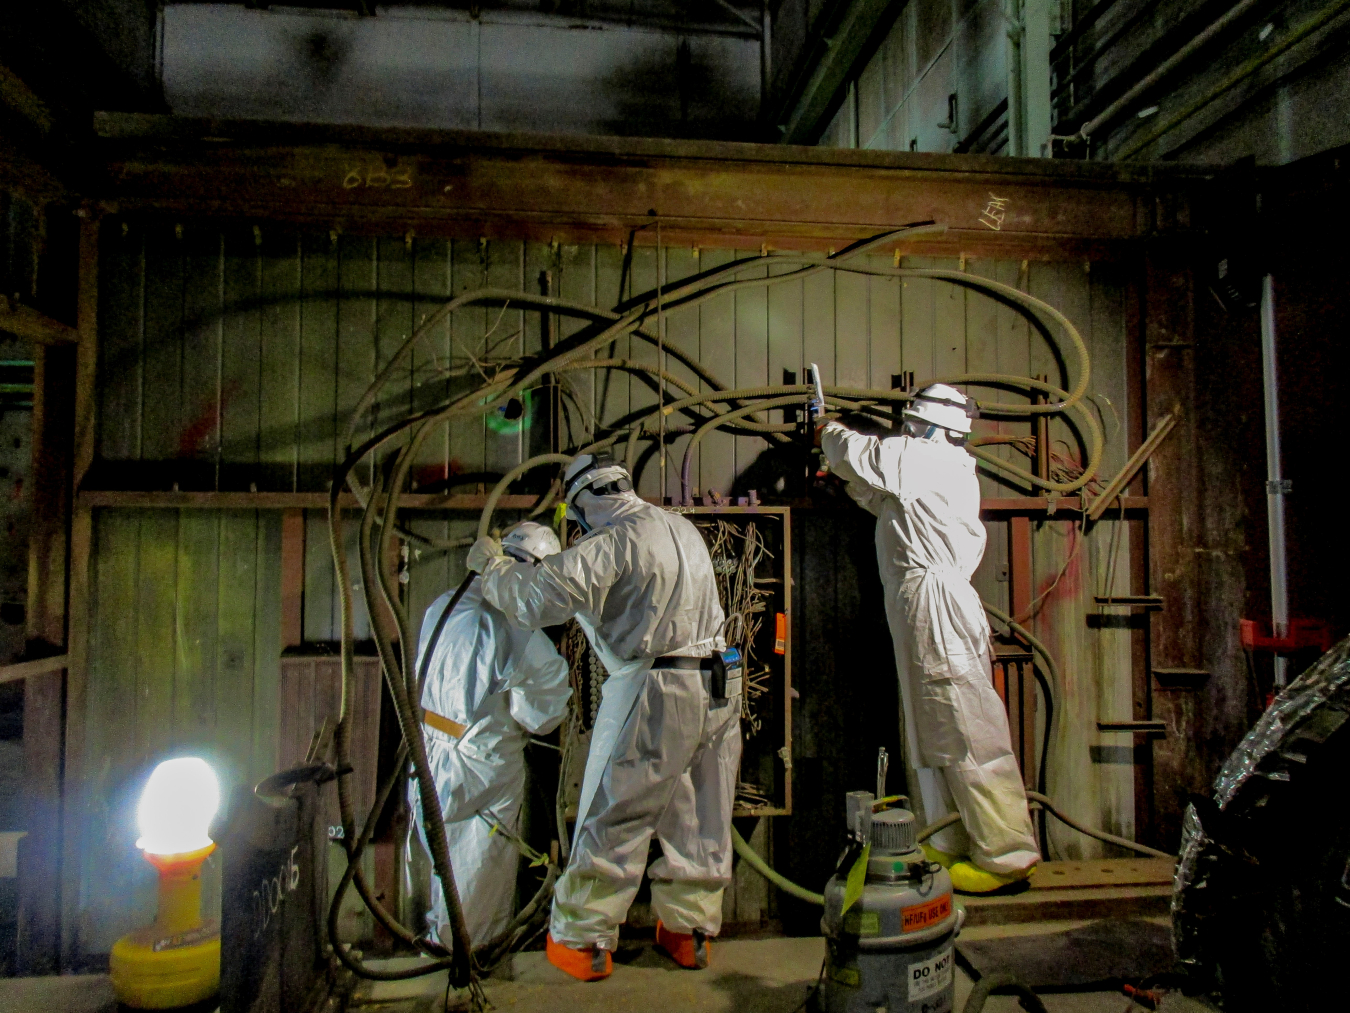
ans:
(951, 123)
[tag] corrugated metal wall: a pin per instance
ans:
(898, 100)
(231, 360)
(184, 653)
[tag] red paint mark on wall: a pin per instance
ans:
(429, 474)
(203, 432)
(1064, 584)
(1067, 582)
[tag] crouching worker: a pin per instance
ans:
(489, 685)
(665, 752)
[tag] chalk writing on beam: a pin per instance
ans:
(994, 212)
(377, 176)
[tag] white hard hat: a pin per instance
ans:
(534, 542)
(943, 406)
(590, 470)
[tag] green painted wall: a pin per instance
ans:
(184, 657)
(231, 358)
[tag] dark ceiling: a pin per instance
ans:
(732, 17)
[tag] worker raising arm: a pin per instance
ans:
(922, 488)
(665, 752)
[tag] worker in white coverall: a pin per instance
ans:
(489, 685)
(922, 488)
(665, 753)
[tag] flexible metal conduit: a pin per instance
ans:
(734, 410)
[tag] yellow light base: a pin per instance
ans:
(146, 978)
(175, 961)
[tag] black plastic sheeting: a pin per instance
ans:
(1102, 955)
(1262, 888)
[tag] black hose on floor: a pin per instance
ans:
(1004, 982)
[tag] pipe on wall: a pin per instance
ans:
(1166, 67)
(1276, 486)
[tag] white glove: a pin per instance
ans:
(816, 406)
(483, 552)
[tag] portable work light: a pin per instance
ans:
(176, 960)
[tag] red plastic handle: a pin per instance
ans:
(1303, 633)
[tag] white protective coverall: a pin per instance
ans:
(929, 538)
(663, 759)
(502, 682)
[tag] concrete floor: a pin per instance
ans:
(747, 976)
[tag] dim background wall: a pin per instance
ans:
(1274, 85)
(898, 99)
(231, 357)
(185, 643)
(449, 69)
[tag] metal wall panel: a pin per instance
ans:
(184, 660)
(232, 358)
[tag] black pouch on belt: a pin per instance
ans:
(725, 674)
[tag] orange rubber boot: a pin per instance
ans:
(686, 949)
(589, 964)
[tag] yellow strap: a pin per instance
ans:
(443, 724)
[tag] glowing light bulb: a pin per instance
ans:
(177, 806)
(176, 961)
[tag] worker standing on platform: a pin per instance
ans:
(922, 488)
(665, 751)
(489, 685)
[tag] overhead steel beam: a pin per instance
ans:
(27, 323)
(534, 186)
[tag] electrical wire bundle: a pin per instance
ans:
(387, 457)
(736, 554)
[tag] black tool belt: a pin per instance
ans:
(724, 667)
(675, 661)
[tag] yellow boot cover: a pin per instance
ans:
(967, 877)
(941, 857)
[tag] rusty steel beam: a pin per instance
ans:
(574, 188)
(89, 499)
(1173, 474)
(292, 577)
(31, 325)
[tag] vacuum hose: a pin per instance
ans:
(756, 861)
(743, 411)
(752, 858)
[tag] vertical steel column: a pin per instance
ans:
(292, 578)
(1028, 63)
(1012, 10)
(1277, 487)
(765, 58)
(1036, 78)
(1021, 691)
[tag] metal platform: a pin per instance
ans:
(1108, 888)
